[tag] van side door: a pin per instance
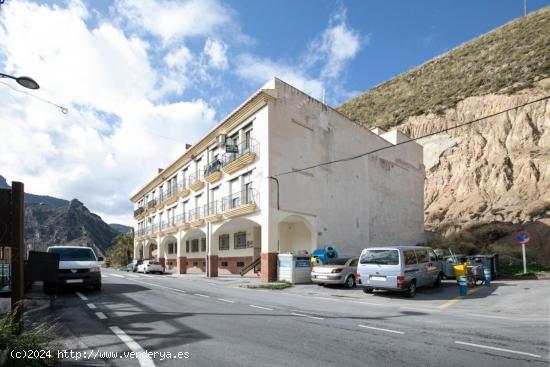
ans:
(410, 267)
(424, 266)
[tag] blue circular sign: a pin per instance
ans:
(523, 237)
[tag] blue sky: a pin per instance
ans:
(141, 78)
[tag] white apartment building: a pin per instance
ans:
(232, 201)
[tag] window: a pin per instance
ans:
(187, 246)
(354, 262)
(224, 242)
(224, 264)
(380, 257)
(195, 263)
(239, 240)
(410, 257)
(195, 245)
(170, 248)
(422, 256)
(240, 264)
(433, 256)
(203, 244)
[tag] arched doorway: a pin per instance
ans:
(296, 235)
(151, 250)
(194, 242)
(168, 252)
(237, 244)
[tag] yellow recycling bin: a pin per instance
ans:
(460, 269)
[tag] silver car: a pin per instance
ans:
(399, 268)
(338, 271)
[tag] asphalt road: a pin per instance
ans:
(212, 324)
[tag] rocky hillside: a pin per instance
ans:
(51, 221)
(490, 179)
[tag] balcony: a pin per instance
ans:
(169, 196)
(244, 154)
(240, 203)
(196, 180)
(195, 217)
(213, 172)
(213, 212)
(138, 212)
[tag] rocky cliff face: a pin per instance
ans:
(493, 170)
(72, 225)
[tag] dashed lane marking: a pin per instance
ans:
(308, 316)
(82, 297)
(143, 358)
(161, 286)
(100, 315)
(261, 307)
(117, 275)
(201, 295)
(91, 306)
(225, 300)
(498, 349)
(380, 329)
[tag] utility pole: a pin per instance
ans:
(18, 255)
(524, 8)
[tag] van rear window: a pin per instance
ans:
(380, 257)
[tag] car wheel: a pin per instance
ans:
(350, 282)
(48, 288)
(437, 283)
(320, 284)
(411, 292)
(368, 290)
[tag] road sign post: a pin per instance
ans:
(523, 238)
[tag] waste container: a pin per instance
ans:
(460, 270)
(295, 269)
(487, 261)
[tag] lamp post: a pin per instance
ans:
(24, 81)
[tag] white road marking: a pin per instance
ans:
(146, 275)
(498, 349)
(308, 316)
(82, 297)
(104, 276)
(100, 315)
(132, 276)
(201, 295)
(261, 307)
(117, 275)
(380, 329)
(225, 300)
(91, 306)
(161, 286)
(143, 358)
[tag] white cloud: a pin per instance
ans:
(117, 131)
(338, 44)
(216, 52)
(174, 20)
(262, 70)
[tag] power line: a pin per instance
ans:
(64, 110)
(414, 139)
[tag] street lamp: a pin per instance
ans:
(24, 81)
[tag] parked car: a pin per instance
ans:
(77, 266)
(133, 266)
(150, 266)
(338, 271)
(399, 268)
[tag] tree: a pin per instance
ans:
(122, 252)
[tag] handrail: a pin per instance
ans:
(254, 263)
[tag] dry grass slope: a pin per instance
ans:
(505, 60)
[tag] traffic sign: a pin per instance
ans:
(523, 237)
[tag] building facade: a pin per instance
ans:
(238, 197)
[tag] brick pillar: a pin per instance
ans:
(182, 265)
(269, 266)
(212, 266)
(162, 262)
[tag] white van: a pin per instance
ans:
(398, 268)
(77, 266)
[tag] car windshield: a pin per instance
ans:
(73, 254)
(341, 261)
(380, 257)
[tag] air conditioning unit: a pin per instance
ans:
(222, 138)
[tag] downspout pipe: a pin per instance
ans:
(277, 181)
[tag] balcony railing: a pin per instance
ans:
(249, 147)
(151, 203)
(196, 180)
(238, 199)
(214, 166)
(195, 214)
(213, 208)
(139, 211)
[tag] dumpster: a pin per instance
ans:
(295, 269)
(449, 262)
(487, 261)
